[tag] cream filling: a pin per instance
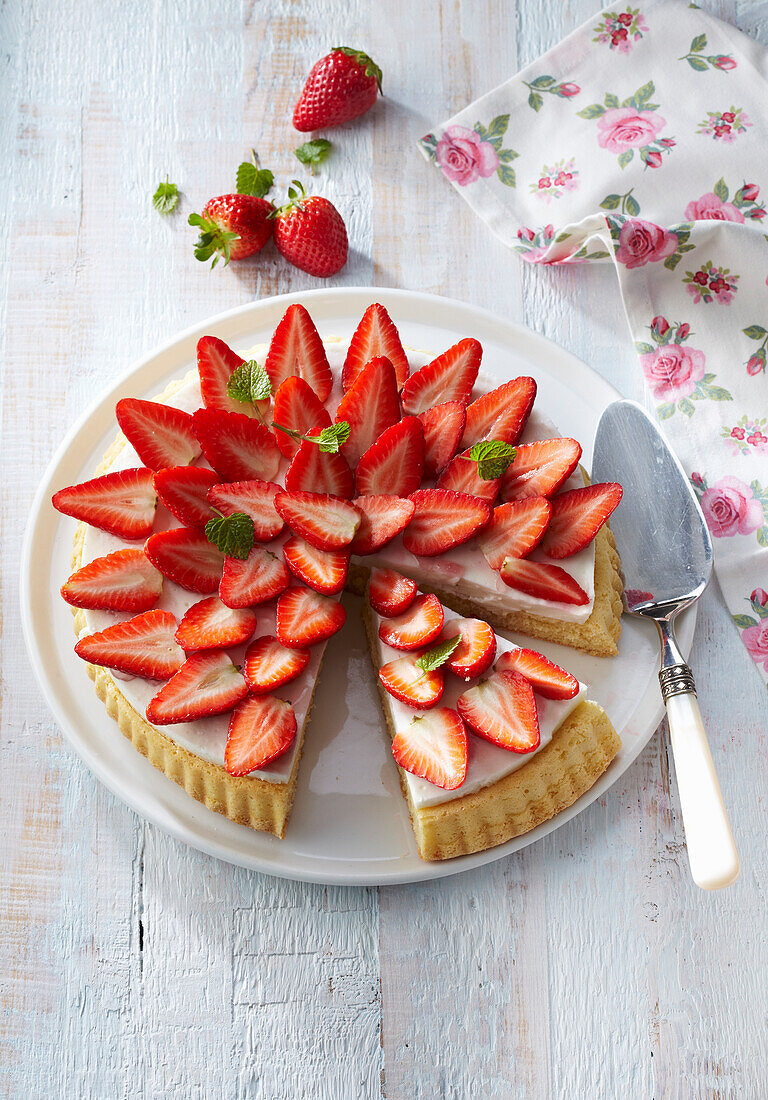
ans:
(464, 569)
(487, 762)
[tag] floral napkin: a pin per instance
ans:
(642, 139)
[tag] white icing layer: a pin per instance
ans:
(487, 762)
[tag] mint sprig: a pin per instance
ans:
(249, 383)
(314, 152)
(493, 458)
(166, 198)
(436, 656)
(233, 534)
(252, 179)
(330, 439)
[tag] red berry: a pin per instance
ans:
(341, 86)
(310, 233)
(232, 226)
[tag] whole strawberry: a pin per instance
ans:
(310, 233)
(232, 226)
(341, 86)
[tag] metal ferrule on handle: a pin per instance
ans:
(677, 680)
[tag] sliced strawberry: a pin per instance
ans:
(461, 476)
(476, 650)
(253, 580)
(543, 581)
(316, 471)
(375, 335)
(296, 349)
(434, 746)
(381, 519)
(269, 664)
(323, 570)
(123, 581)
(261, 729)
(237, 447)
(500, 414)
(184, 492)
(142, 646)
(515, 529)
(404, 680)
(450, 377)
(547, 678)
(185, 556)
(370, 406)
(502, 709)
(443, 520)
(443, 429)
(207, 683)
(539, 469)
(577, 516)
(305, 618)
(390, 593)
(121, 503)
(256, 499)
(297, 406)
(394, 464)
(159, 434)
(323, 520)
(415, 627)
(215, 364)
(210, 624)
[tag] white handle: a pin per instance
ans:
(711, 849)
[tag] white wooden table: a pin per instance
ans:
(586, 966)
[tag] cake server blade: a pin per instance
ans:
(666, 557)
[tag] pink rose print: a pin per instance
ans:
(548, 85)
(700, 61)
(710, 208)
(643, 242)
(760, 597)
(672, 371)
(757, 361)
(755, 638)
(463, 157)
(730, 508)
(623, 127)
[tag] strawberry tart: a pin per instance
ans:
(234, 508)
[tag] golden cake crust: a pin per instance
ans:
(578, 754)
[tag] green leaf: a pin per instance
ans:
(593, 111)
(249, 383)
(364, 61)
(632, 206)
(498, 126)
(672, 261)
(644, 349)
(721, 190)
(699, 43)
(506, 175)
(253, 180)
(611, 202)
(717, 393)
(507, 155)
(166, 198)
(314, 152)
(543, 82)
(331, 439)
(611, 100)
(232, 534)
(697, 63)
(686, 406)
(754, 332)
(438, 654)
(626, 157)
(630, 101)
(213, 240)
(493, 457)
(562, 237)
(481, 131)
(665, 411)
(642, 95)
(744, 621)
(762, 536)
(535, 101)
(708, 378)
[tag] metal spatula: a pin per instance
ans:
(666, 557)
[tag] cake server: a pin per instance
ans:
(666, 558)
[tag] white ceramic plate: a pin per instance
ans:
(349, 822)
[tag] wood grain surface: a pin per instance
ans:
(585, 966)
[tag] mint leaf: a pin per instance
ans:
(249, 383)
(166, 198)
(232, 534)
(493, 457)
(331, 439)
(437, 655)
(252, 179)
(314, 152)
